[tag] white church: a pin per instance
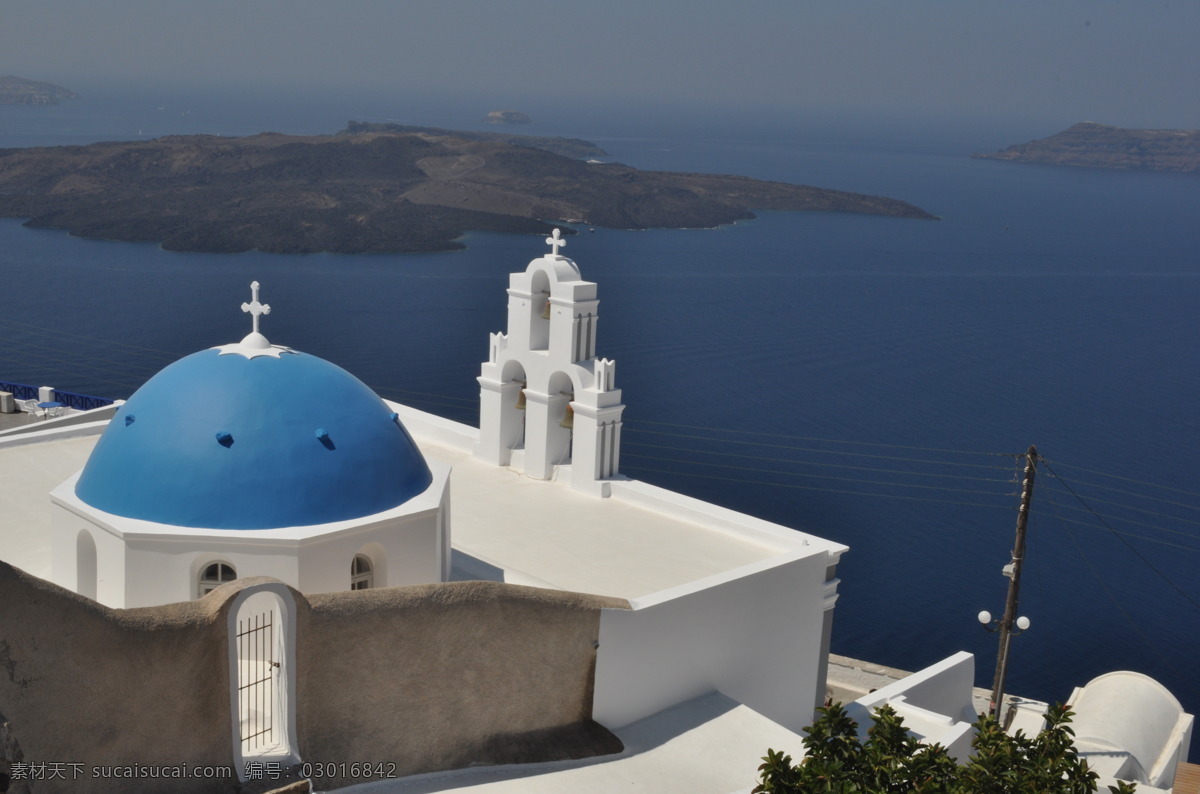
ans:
(251, 459)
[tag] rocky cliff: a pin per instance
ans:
(19, 91)
(1094, 145)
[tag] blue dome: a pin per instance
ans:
(230, 442)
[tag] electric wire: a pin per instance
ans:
(814, 488)
(71, 372)
(1134, 523)
(822, 451)
(1129, 546)
(823, 464)
(1117, 604)
(1137, 495)
(814, 476)
(825, 440)
(69, 336)
(32, 347)
(116, 376)
(1134, 535)
(447, 398)
(1122, 477)
(1147, 512)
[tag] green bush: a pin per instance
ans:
(892, 760)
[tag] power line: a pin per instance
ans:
(1126, 479)
(823, 464)
(1134, 535)
(1118, 536)
(814, 488)
(70, 373)
(1133, 522)
(1136, 495)
(814, 476)
(822, 451)
(88, 340)
(444, 397)
(824, 440)
(33, 347)
(1116, 603)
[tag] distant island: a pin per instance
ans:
(507, 117)
(567, 147)
(1092, 145)
(366, 191)
(19, 91)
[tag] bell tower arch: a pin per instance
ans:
(545, 401)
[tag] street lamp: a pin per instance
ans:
(1007, 632)
(1004, 625)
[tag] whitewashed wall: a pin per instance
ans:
(140, 563)
(935, 704)
(753, 634)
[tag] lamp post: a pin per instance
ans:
(1007, 632)
(1005, 624)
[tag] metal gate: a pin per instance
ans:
(257, 694)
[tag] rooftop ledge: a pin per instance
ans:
(639, 544)
(643, 543)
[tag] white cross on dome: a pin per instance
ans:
(254, 344)
(255, 308)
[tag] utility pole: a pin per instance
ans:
(1013, 572)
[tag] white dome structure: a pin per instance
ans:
(1129, 727)
(260, 461)
(225, 441)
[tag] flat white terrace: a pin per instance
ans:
(506, 526)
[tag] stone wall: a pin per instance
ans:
(423, 678)
(93, 689)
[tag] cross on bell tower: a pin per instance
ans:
(545, 401)
(555, 241)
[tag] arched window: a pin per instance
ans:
(213, 576)
(85, 564)
(361, 575)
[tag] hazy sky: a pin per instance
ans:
(1128, 62)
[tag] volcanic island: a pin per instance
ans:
(373, 188)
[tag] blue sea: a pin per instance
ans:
(871, 380)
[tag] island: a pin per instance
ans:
(1091, 145)
(368, 192)
(19, 91)
(507, 117)
(567, 147)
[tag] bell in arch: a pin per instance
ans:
(546, 311)
(520, 406)
(568, 420)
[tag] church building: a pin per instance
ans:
(250, 459)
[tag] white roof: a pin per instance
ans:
(640, 541)
(30, 471)
(1129, 726)
(709, 744)
(505, 526)
(640, 544)
(545, 534)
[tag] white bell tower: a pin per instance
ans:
(546, 403)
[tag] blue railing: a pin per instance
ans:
(20, 391)
(80, 402)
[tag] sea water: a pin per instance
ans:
(871, 380)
